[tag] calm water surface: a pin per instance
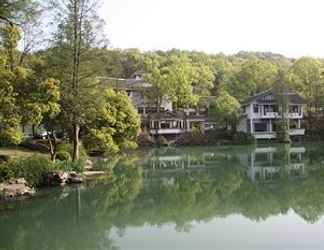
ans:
(194, 198)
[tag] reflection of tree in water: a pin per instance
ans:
(133, 196)
(55, 222)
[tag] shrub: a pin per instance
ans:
(243, 138)
(68, 166)
(66, 147)
(145, 139)
(63, 156)
(4, 158)
(32, 169)
(162, 141)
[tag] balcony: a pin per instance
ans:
(276, 115)
(297, 131)
(273, 135)
(166, 131)
(295, 115)
(265, 135)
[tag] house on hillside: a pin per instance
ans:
(135, 88)
(167, 122)
(261, 112)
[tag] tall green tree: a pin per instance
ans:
(283, 98)
(79, 31)
(253, 76)
(306, 77)
(25, 98)
(225, 109)
(113, 123)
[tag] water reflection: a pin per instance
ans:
(178, 187)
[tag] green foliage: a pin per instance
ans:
(32, 169)
(66, 148)
(225, 109)
(68, 166)
(252, 76)
(243, 138)
(63, 156)
(162, 141)
(113, 124)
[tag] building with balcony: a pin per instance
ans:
(166, 122)
(135, 88)
(261, 113)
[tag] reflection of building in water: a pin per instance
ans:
(189, 161)
(270, 164)
(167, 166)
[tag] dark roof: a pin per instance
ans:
(291, 95)
(120, 83)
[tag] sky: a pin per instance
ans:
(293, 28)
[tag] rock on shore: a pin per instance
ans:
(15, 188)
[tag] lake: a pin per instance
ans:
(265, 197)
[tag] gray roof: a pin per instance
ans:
(291, 95)
(126, 84)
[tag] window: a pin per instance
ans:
(140, 110)
(255, 108)
(156, 124)
(268, 98)
(260, 127)
(165, 124)
(293, 109)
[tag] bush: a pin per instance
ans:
(63, 156)
(65, 147)
(162, 141)
(243, 138)
(32, 169)
(145, 139)
(68, 166)
(4, 158)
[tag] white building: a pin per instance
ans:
(261, 112)
(165, 122)
(135, 88)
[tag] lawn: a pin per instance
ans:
(16, 152)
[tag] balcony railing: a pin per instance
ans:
(273, 134)
(276, 115)
(166, 131)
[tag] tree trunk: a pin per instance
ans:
(33, 131)
(52, 145)
(76, 153)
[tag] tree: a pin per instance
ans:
(305, 76)
(181, 77)
(14, 11)
(226, 109)
(283, 98)
(26, 97)
(156, 74)
(77, 33)
(253, 76)
(113, 123)
(9, 74)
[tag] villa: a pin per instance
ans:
(167, 122)
(261, 112)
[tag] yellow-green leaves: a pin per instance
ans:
(115, 124)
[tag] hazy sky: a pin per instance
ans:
(291, 27)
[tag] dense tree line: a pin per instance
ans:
(57, 83)
(56, 86)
